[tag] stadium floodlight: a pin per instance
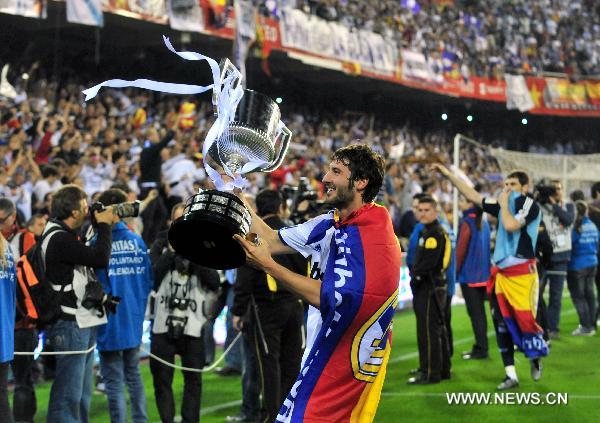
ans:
(279, 100)
(524, 121)
(470, 118)
(444, 116)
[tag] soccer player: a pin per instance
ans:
(355, 261)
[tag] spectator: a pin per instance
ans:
(128, 276)
(582, 271)
(26, 335)
(8, 280)
(473, 263)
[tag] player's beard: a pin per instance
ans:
(343, 196)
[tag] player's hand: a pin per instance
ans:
(503, 197)
(257, 252)
(440, 168)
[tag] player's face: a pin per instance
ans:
(339, 189)
(427, 213)
(515, 185)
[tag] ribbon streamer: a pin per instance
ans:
(227, 93)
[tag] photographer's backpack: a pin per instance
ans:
(37, 301)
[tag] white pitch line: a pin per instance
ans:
(219, 407)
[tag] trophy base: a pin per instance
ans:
(204, 234)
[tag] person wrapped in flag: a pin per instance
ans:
(353, 290)
(513, 285)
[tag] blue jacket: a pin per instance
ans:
(129, 276)
(477, 261)
(412, 248)
(8, 296)
(584, 246)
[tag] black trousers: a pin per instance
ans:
(279, 362)
(5, 414)
(475, 302)
(24, 401)
(541, 316)
(191, 351)
(432, 337)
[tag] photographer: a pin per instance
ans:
(128, 276)
(180, 311)
(68, 268)
(558, 218)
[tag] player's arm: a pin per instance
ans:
(510, 222)
(464, 188)
(259, 256)
(265, 232)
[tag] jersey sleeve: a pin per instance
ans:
(305, 237)
(491, 206)
(527, 210)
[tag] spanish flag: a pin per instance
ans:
(516, 288)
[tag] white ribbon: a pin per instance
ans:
(228, 94)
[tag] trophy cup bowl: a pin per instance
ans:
(255, 135)
(204, 234)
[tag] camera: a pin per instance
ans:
(95, 298)
(129, 209)
(303, 192)
(177, 318)
(543, 192)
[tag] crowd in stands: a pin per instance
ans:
(149, 145)
(52, 137)
(482, 38)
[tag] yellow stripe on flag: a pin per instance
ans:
(272, 283)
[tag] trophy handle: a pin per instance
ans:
(284, 144)
(226, 68)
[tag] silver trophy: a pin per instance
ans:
(255, 140)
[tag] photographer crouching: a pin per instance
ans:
(69, 264)
(180, 308)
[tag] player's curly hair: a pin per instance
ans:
(364, 163)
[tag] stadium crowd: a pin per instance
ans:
(147, 146)
(482, 38)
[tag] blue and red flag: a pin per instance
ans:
(343, 373)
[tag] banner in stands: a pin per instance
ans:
(329, 39)
(27, 8)
(185, 15)
(517, 94)
(358, 52)
(416, 67)
(85, 12)
(147, 10)
(562, 92)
